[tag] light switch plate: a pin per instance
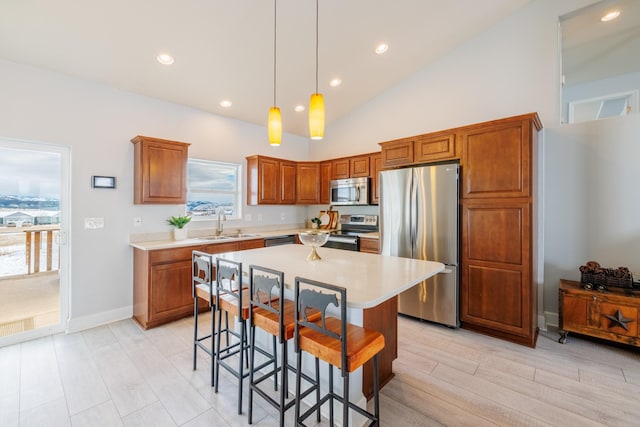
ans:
(93, 223)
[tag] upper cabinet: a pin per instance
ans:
(159, 171)
(308, 183)
(433, 147)
(325, 182)
(351, 167)
(270, 181)
(497, 158)
(375, 161)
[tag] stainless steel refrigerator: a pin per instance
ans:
(419, 219)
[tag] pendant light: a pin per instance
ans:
(274, 122)
(316, 104)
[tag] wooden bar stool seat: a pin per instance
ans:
(340, 344)
(235, 302)
(276, 317)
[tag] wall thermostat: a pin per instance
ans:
(103, 181)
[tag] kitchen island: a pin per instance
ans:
(372, 281)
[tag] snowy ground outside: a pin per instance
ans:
(12, 256)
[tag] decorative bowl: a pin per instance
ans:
(313, 239)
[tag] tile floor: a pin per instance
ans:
(118, 374)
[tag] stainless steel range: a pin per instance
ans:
(352, 226)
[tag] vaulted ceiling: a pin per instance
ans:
(223, 49)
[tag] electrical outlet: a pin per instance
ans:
(259, 217)
(283, 216)
(137, 221)
(247, 217)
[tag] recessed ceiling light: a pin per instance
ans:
(382, 48)
(299, 108)
(226, 103)
(165, 59)
(610, 16)
(335, 82)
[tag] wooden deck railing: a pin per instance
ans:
(33, 238)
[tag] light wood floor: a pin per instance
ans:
(29, 302)
(120, 375)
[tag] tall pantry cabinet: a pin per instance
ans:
(498, 293)
(498, 232)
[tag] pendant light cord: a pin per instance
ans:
(316, 46)
(275, 39)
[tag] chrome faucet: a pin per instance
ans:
(221, 217)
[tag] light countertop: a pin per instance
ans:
(370, 279)
(207, 240)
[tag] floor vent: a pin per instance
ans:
(15, 326)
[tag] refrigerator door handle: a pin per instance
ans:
(446, 271)
(413, 214)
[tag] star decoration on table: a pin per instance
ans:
(618, 320)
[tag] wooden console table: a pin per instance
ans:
(612, 315)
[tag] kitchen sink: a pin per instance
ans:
(214, 238)
(227, 236)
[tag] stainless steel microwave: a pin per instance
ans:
(350, 191)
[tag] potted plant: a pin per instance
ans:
(315, 222)
(179, 232)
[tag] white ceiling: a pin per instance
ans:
(593, 50)
(223, 49)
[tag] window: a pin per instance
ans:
(213, 186)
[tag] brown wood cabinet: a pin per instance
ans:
(270, 181)
(497, 158)
(162, 281)
(432, 147)
(273, 181)
(497, 293)
(159, 171)
(325, 182)
(359, 167)
(308, 183)
(612, 315)
(397, 153)
(375, 160)
(351, 167)
(384, 319)
(341, 168)
(370, 245)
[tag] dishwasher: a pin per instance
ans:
(280, 240)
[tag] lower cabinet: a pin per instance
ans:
(612, 315)
(162, 281)
(497, 293)
(369, 245)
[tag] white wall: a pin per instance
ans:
(513, 68)
(97, 122)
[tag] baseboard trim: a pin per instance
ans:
(551, 318)
(76, 324)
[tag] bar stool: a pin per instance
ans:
(333, 340)
(275, 316)
(233, 300)
(202, 287)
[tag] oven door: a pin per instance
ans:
(342, 242)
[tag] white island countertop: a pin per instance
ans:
(370, 279)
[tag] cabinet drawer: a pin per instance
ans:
(173, 255)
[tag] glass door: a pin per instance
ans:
(34, 200)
